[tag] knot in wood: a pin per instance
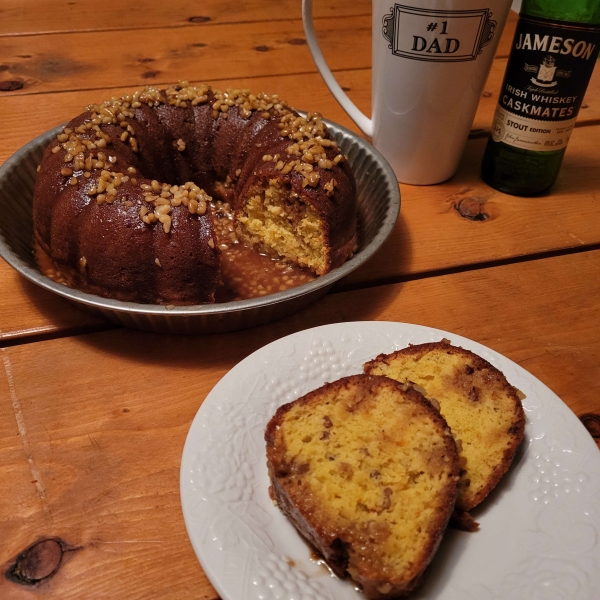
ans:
(471, 207)
(38, 562)
(591, 422)
(11, 85)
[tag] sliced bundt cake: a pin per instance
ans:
(123, 205)
(367, 470)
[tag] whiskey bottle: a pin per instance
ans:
(552, 57)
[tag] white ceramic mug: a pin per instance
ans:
(431, 59)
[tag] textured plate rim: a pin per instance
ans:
(225, 308)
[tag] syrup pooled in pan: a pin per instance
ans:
(246, 273)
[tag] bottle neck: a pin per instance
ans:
(570, 11)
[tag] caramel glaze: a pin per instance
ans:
(245, 272)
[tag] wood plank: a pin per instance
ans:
(72, 60)
(30, 311)
(105, 450)
(433, 234)
(306, 90)
(30, 17)
(430, 236)
(50, 16)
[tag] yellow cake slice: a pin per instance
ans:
(482, 409)
(367, 470)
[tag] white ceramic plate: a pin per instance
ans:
(539, 536)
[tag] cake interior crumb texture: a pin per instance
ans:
(372, 469)
(275, 218)
(482, 409)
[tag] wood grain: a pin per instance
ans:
(104, 430)
(77, 60)
(35, 17)
(49, 16)
(431, 234)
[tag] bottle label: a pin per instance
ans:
(547, 74)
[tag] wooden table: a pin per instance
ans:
(93, 418)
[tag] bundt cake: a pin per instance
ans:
(123, 199)
(367, 470)
(482, 409)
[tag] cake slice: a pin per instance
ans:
(367, 470)
(482, 409)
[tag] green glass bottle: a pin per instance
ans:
(552, 57)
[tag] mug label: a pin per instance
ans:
(438, 35)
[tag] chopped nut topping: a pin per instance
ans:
(84, 153)
(162, 196)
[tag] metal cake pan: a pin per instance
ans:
(378, 209)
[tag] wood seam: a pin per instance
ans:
(35, 472)
(174, 26)
(341, 289)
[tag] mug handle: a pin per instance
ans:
(364, 123)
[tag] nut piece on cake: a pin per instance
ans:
(366, 469)
(482, 409)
